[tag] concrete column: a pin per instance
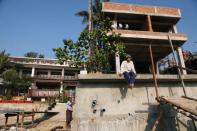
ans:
(62, 72)
(76, 74)
(174, 29)
(33, 85)
(179, 53)
(20, 73)
(181, 60)
(61, 86)
(157, 68)
(49, 73)
(114, 26)
(117, 60)
(33, 71)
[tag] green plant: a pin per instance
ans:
(51, 100)
(14, 83)
(11, 79)
(4, 61)
(63, 97)
(32, 54)
(105, 45)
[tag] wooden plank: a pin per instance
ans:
(189, 98)
(183, 107)
(157, 121)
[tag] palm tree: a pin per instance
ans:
(96, 13)
(11, 79)
(4, 61)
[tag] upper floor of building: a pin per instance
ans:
(41, 68)
(139, 22)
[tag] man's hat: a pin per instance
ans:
(129, 56)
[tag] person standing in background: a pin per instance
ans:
(69, 110)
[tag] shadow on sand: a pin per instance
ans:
(28, 124)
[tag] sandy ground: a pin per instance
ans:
(54, 121)
(9, 107)
(42, 122)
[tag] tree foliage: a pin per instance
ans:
(32, 54)
(11, 79)
(4, 61)
(96, 13)
(13, 82)
(104, 42)
(41, 56)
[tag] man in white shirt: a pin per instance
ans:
(128, 70)
(69, 105)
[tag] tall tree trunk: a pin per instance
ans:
(90, 23)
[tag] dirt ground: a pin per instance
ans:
(54, 119)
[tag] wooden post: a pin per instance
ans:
(157, 121)
(90, 24)
(149, 23)
(194, 125)
(153, 70)
(17, 119)
(33, 114)
(22, 119)
(157, 93)
(6, 120)
(179, 72)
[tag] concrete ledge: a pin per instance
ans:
(139, 78)
(151, 35)
(140, 9)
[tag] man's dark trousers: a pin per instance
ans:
(130, 77)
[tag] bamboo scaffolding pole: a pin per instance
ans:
(179, 72)
(153, 70)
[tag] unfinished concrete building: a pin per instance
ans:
(104, 102)
(141, 26)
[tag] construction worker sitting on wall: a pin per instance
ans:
(128, 70)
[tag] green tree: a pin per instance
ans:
(41, 56)
(23, 83)
(9, 80)
(4, 61)
(14, 84)
(105, 45)
(32, 54)
(96, 13)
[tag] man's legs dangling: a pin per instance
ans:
(127, 78)
(131, 79)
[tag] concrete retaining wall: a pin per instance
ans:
(126, 109)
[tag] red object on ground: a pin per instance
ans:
(20, 102)
(28, 101)
(13, 101)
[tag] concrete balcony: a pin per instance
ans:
(55, 77)
(38, 61)
(44, 93)
(137, 42)
(146, 36)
